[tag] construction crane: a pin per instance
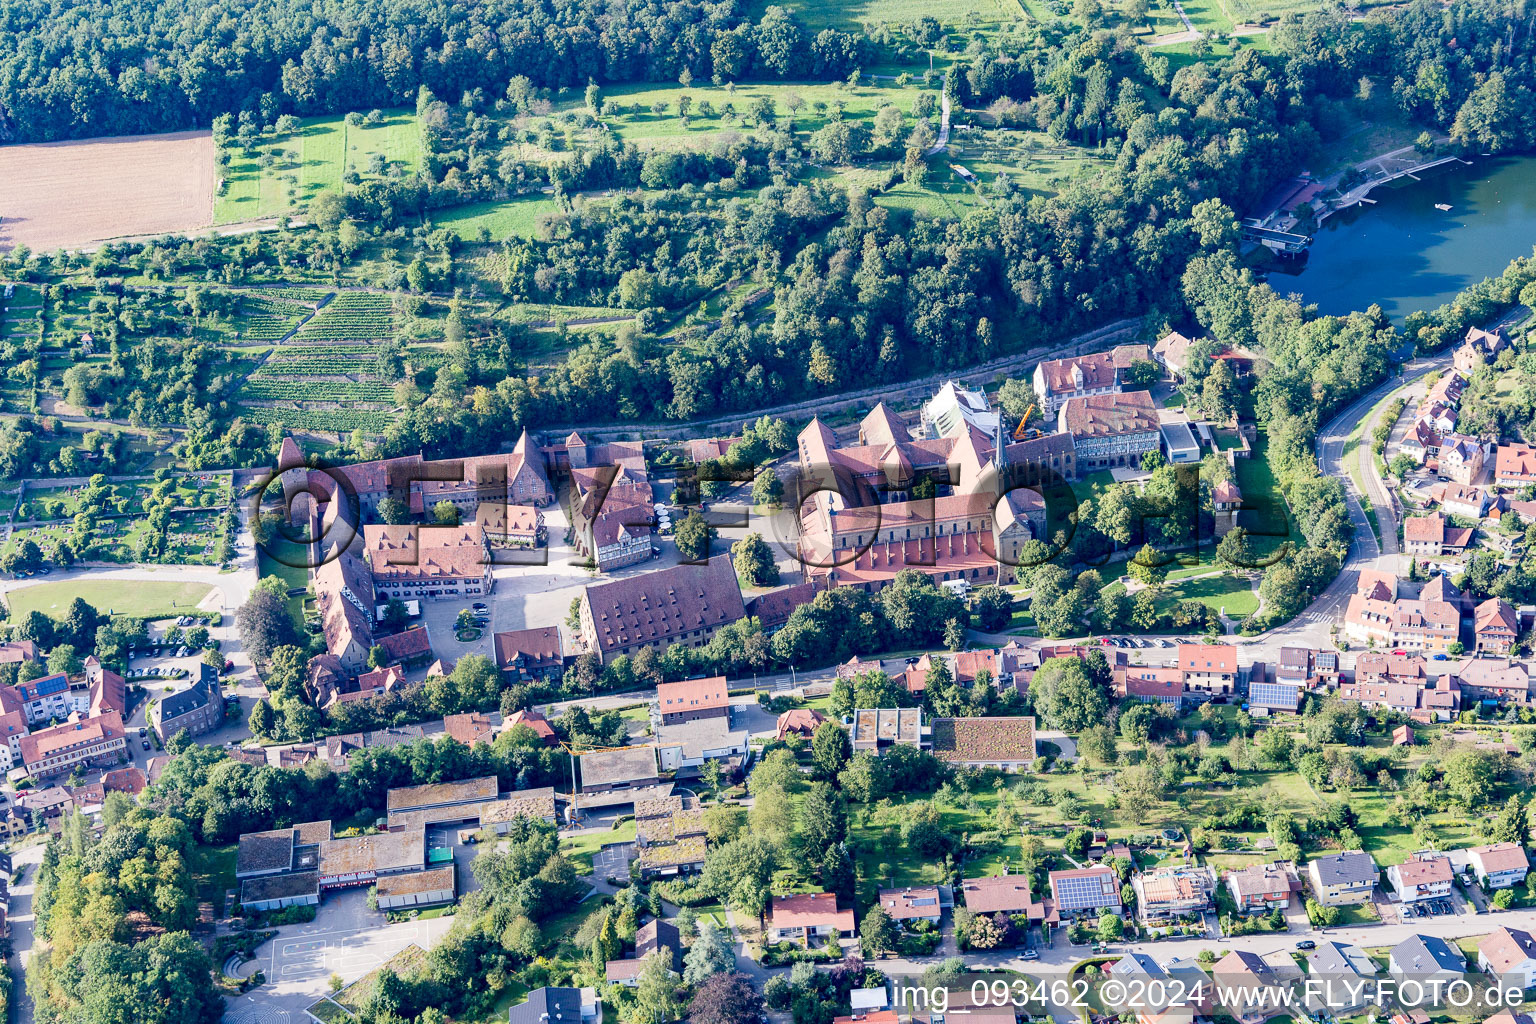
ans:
(575, 753)
(1019, 433)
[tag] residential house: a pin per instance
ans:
(1426, 959)
(1247, 976)
(530, 654)
(1492, 681)
(1431, 535)
(909, 905)
(1174, 891)
(557, 1006)
(1462, 458)
(1510, 955)
(1262, 887)
(1172, 351)
(1423, 876)
(804, 916)
(1495, 626)
(1154, 685)
(1079, 891)
(92, 742)
(1208, 668)
(1376, 613)
(198, 709)
(1499, 865)
(411, 647)
(533, 720)
(1343, 879)
(1514, 465)
(1002, 894)
(128, 780)
(692, 700)
(1464, 500)
(802, 722)
(683, 604)
(1111, 430)
(470, 728)
(1272, 694)
(655, 936)
(1336, 973)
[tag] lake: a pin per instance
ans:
(1404, 254)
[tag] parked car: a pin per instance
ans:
(1306, 944)
(146, 744)
(1030, 954)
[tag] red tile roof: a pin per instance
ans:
(811, 910)
(411, 643)
(530, 649)
(692, 695)
(1208, 658)
(1103, 415)
(656, 607)
(468, 729)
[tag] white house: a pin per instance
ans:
(1424, 876)
(1510, 954)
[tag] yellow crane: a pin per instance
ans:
(1019, 433)
(575, 753)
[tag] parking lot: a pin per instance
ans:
(346, 938)
(1140, 641)
(612, 861)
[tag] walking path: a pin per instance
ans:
(943, 141)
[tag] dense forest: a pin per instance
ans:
(104, 68)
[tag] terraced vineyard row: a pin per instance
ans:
(268, 318)
(298, 390)
(289, 363)
(338, 420)
(351, 317)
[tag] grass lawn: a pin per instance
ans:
(1360, 914)
(145, 599)
(1271, 523)
(559, 928)
(1215, 592)
(820, 14)
(213, 872)
(515, 218)
(812, 102)
(1091, 485)
(581, 848)
(292, 575)
(315, 157)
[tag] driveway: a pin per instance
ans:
(23, 862)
